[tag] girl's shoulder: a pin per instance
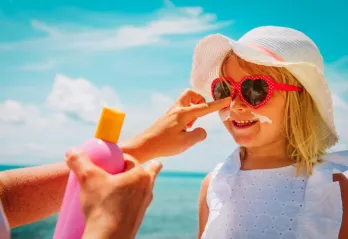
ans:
(206, 181)
(217, 183)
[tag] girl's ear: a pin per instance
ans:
(343, 181)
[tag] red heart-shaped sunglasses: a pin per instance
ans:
(255, 91)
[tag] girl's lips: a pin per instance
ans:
(243, 125)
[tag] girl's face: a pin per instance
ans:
(268, 127)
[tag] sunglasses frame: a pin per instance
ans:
(237, 86)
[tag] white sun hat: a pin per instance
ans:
(269, 46)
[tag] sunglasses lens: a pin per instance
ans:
(221, 90)
(255, 91)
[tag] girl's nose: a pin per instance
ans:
(238, 105)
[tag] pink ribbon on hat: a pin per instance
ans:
(267, 51)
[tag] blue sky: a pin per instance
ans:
(61, 60)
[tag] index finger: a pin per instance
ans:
(206, 108)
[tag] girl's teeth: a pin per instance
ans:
(245, 122)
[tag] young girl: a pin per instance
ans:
(280, 182)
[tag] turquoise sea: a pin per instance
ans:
(172, 214)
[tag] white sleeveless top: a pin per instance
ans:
(273, 203)
(266, 203)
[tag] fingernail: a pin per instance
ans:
(157, 162)
(71, 152)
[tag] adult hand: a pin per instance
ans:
(113, 205)
(169, 135)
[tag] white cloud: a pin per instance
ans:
(166, 22)
(29, 133)
(14, 112)
(80, 98)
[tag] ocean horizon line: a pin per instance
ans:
(164, 173)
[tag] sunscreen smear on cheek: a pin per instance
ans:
(261, 118)
(232, 104)
(225, 114)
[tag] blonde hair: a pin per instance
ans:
(302, 118)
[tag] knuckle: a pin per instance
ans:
(187, 91)
(75, 156)
(72, 158)
(180, 114)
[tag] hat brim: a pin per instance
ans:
(211, 51)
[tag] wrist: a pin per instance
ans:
(107, 228)
(139, 148)
(104, 228)
(94, 231)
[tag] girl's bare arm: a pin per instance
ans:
(203, 210)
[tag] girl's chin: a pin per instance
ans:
(244, 141)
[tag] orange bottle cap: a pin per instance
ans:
(110, 125)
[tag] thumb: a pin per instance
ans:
(195, 136)
(154, 168)
(81, 165)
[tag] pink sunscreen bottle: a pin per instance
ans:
(103, 152)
